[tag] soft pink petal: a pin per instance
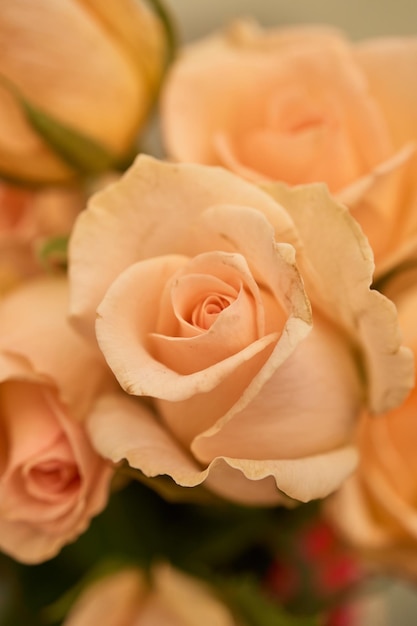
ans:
(338, 271)
(110, 601)
(148, 446)
(241, 69)
(308, 406)
(123, 340)
(350, 510)
(242, 229)
(389, 65)
(132, 211)
(33, 324)
(189, 601)
(302, 479)
(383, 205)
(140, 439)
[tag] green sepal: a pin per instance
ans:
(54, 253)
(79, 151)
(167, 22)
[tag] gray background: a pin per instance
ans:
(360, 18)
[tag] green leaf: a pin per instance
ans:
(75, 148)
(256, 609)
(54, 253)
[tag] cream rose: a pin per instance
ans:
(28, 218)
(194, 277)
(376, 509)
(126, 597)
(51, 480)
(75, 90)
(301, 105)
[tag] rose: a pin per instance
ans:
(28, 218)
(191, 273)
(125, 597)
(75, 90)
(300, 105)
(376, 509)
(51, 480)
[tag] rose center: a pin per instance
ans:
(206, 313)
(305, 124)
(54, 476)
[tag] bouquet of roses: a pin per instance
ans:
(208, 411)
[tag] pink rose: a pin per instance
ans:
(301, 105)
(27, 219)
(172, 598)
(51, 480)
(376, 509)
(199, 284)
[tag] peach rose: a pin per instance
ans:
(172, 599)
(377, 509)
(75, 90)
(28, 219)
(301, 105)
(193, 277)
(51, 480)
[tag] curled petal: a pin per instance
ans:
(37, 311)
(338, 268)
(389, 66)
(149, 447)
(152, 193)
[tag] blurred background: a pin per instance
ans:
(359, 19)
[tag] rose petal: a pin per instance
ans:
(123, 340)
(139, 439)
(188, 600)
(352, 513)
(148, 446)
(200, 102)
(338, 274)
(300, 411)
(114, 599)
(47, 74)
(42, 305)
(136, 370)
(389, 65)
(211, 318)
(152, 193)
(382, 204)
(303, 479)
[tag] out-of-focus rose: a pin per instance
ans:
(377, 507)
(301, 105)
(172, 599)
(27, 220)
(75, 90)
(193, 277)
(51, 480)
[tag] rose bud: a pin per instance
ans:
(75, 90)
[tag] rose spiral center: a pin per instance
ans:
(206, 313)
(55, 476)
